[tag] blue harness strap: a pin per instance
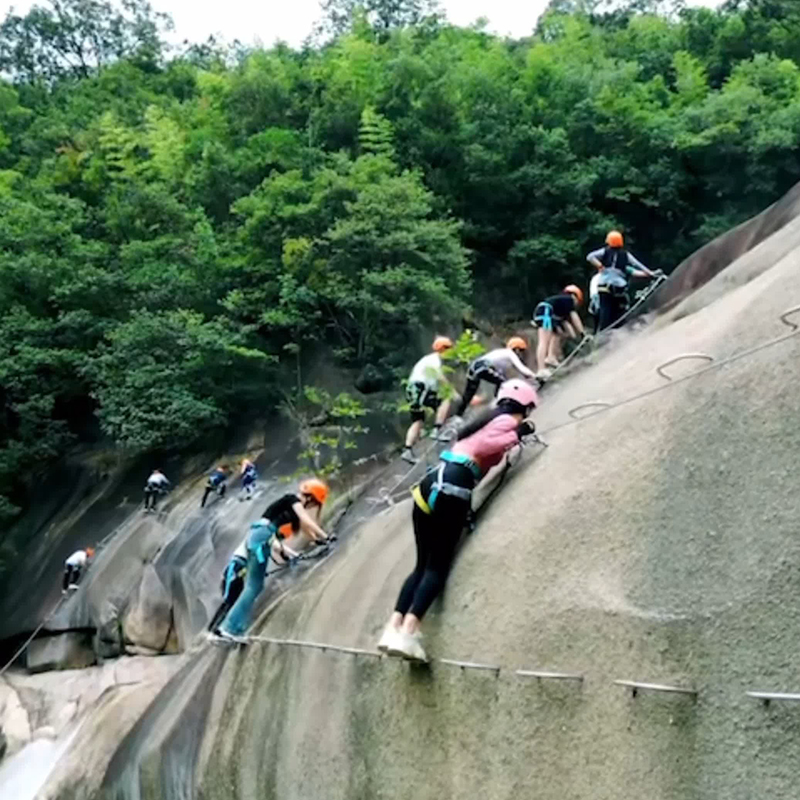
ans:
(442, 487)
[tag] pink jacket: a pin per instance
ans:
(487, 446)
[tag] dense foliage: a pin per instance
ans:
(175, 229)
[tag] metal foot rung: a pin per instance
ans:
(549, 676)
(468, 665)
(768, 697)
(636, 687)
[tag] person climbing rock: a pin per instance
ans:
(74, 567)
(442, 505)
(156, 485)
(249, 475)
(556, 317)
(422, 392)
(299, 510)
(617, 265)
(232, 585)
(217, 482)
(495, 367)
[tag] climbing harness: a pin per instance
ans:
(450, 489)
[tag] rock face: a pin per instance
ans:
(71, 650)
(655, 541)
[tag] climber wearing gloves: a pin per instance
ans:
(442, 505)
(555, 317)
(217, 482)
(495, 367)
(298, 510)
(74, 566)
(232, 584)
(422, 392)
(616, 266)
(156, 484)
(249, 474)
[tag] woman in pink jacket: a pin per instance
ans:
(442, 502)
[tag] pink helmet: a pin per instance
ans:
(519, 392)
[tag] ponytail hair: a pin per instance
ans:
(504, 406)
(484, 418)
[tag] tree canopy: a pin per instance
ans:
(176, 227)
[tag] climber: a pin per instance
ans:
(296, 509)
(442, 504)
(249, 475)
(495, 367)
(232, 584)
(74, 566)
(217, 482)
(556, 317)
(156, 484)
(422, 392)
(616, 266)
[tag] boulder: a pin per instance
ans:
(70, 650)
(148, 619)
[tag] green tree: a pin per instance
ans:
(73, 38)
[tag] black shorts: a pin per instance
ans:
(419, 398)
(485, 371)
(544, 318)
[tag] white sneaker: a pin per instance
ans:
(389, 638)
(230, 638)
(408, 456)
(409, 647)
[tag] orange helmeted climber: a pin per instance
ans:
(616, 265)
(301, 511)
(556, 318)
(495, 367)
(422, 391)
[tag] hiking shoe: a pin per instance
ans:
(408, 456)
(408, 646)
(231, 638)
(446, 434)
(389, 638)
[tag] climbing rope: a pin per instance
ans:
(33, 635)
(604, 407)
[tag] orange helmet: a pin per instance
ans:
(614, 239)
(442, 343)
(516, 343)
(90, 552)
(573, 289)
(315, 488)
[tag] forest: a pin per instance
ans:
(180, 227)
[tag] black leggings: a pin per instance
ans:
(71, 575)
(612, 307)
(488, 374)
(150, 496)
(220, 490)
(437, 536)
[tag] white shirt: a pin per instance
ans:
(503, 359)
(157, 479)
(77, 559)
(594, 285)
(241, 550)
(428, 370)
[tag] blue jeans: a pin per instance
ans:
(237, 620)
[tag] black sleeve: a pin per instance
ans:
(280, 512)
